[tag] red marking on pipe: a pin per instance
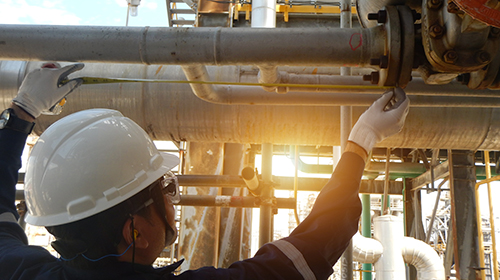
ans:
(479, 9)
(356, 37)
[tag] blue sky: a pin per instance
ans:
(87, 12)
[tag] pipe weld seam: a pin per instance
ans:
(217, 44)
(143, 47)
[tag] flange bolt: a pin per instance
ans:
(436, 31)
(483, 57)
(374, 77)
(380, 16)
(434, 4)
(450, 56)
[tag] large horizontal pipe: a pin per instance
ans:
(172, 112)
(188, 46)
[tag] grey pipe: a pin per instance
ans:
(188, 46)
(172, 112)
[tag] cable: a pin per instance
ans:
(98, 259)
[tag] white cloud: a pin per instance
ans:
(122, 3)
(21, 12)
(51, 4)
(150, 5)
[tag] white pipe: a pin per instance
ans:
(388, 230)
(366, 250)
(391, 249)
(264, 16)
(427, 262)
(263, 13)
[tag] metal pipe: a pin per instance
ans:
(188, 46)
(427, 262)
(366, 231)
(250, 178)
(345, 130)
(492, 216)
(434, 210)
(385, 197)
(232, 201)
(263, 14)
(172, 112)
(248, 95)
(266, 215)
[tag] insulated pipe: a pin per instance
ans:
(264, 16)
(390, 249)
(388, 230)
(427, 262)
(172, 112)
(366, 250)
(188, 46)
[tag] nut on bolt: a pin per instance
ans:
(483, 57)
(450, 56)
(374, 77)
(494, 32)
(434, 4)
(436, 31)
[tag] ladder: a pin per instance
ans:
(180, 13)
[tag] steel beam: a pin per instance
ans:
(463, 214)
(440, 172)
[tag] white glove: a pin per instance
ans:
(42, 88)
(378, 122)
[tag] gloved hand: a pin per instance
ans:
(376, 123)
(42, 88)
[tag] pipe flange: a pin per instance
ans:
(390, 75)
(443, 29)
(407, 45)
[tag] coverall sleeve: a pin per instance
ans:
(11, 148)
(316, 244)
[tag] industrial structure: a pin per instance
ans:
(230, 81)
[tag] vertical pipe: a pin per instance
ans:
(265, 234)
(480, 235)
(492, 217)
(366, 231)
(385, 197)
(345, 128)
(263, 13)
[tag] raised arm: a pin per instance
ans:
(40, 90)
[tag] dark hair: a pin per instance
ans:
(97, 235)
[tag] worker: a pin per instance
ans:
(96, 181)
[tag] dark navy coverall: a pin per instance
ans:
(308, 253)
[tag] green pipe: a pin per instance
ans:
(366, 231)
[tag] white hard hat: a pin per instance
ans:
(88, 162)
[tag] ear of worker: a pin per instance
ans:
(377, 123)
(42, 88)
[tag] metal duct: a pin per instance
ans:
(172, 112)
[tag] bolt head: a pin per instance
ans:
(434, 4)
(494, 32)
(483, 57)
(436, 31)
(450, 56)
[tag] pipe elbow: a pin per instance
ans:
(366, 250)
(424, 258)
